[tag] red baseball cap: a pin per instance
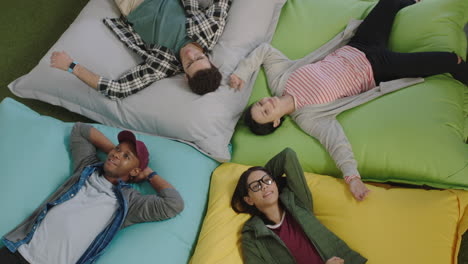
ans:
(141, 150)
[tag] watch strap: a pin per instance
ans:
(72, 66)
(151, 175)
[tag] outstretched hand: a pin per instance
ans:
(236, 82)
(358, 189)
(60, 60)
(335, 260)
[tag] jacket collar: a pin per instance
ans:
(257, 225)
(99, 167)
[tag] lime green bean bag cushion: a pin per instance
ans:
(35, 160)
(415, 135)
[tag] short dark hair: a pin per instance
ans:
(205, 81)
(238, 203)
(257, 128)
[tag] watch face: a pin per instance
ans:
(71, 67)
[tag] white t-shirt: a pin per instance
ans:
(69, 228)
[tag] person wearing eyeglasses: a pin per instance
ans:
(170, 36)
(283, 228)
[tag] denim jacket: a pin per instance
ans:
(133, 206)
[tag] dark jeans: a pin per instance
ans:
(372, 38)
(6, 257)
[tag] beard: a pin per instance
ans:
(110, 173)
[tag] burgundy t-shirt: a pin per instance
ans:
(291, 233)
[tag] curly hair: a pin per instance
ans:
(205, 81)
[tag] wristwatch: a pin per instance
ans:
(72, 66)
(151, 175)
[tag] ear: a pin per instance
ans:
(135, 172)
(276, 123)
(248, 200)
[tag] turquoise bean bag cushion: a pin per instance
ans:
(416, 135)
(35, 160)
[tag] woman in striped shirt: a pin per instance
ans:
(340, 75)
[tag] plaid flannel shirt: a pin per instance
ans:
(203, 26)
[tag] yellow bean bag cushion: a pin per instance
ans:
(393, 225)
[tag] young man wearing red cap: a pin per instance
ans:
(78, 221)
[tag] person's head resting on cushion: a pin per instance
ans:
(255, 191)
(267, 114)
(202, 76)
(126, 160)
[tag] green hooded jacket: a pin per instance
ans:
(261, 245)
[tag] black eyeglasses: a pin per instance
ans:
(256, 186)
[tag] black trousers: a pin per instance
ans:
(6, 257)
(372, 39)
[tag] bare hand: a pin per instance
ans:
(60, 60)
(236, 82)
(358, 189)
(143, 175)
(335, 260)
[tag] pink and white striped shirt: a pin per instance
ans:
(345, 72)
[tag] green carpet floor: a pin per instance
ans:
(27, 31)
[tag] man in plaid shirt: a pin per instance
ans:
(181, 32)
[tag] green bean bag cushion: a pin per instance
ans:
(416, 135)
(35, 160)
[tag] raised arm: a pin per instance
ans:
(274, 62)
(331, 135)
(206, 25)
(156, 181)
(61, 60)
(84, 139)
(217, 11)
(148, 208)
(136, 79)
(100, 141)
(286, 162)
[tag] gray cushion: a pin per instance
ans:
(166, 108)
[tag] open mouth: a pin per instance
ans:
(112, 162)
